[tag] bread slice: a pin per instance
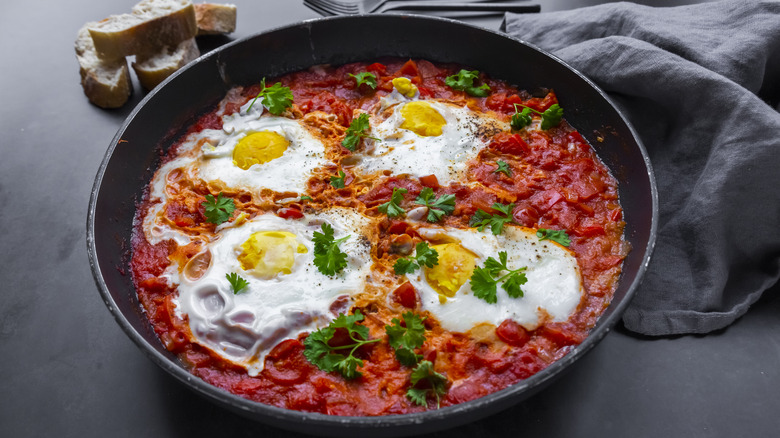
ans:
(215, 19)
(151, 70)
(151, 25)
(106, 82)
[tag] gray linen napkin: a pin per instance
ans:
(698, 83)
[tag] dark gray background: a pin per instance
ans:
(66, 369)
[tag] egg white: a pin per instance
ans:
(243, 327)
(554, 287)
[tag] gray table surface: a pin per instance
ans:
(66, 369)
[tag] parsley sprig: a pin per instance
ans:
(503, 167)
(464, 81)
(550, 117)
(406, 337)
(481, 218)
(559, 236)
(365, 77)
(328, 258)
(218, 210)
(392, 208)
(237, 284)
(444, 204)
(276, 98)
(338, 181)
(485, 279)
(318, 351)
(433, 383)
(356, 131)
(424, 256)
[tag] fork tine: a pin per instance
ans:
(317, 9)
(336, 7)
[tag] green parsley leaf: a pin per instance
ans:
(484, 281)
(435, 384)
(503, 167)
(444, 204)
(481, 218)
(357, 130)
(365, 77)
(559, 236)
(392, 207)
(236, 283)
(405, 338)
(520, 120)
(218, 210)
(550, 117)
(328, 258)
(320, 353)
(306, 198)
(425, 256)
(464, 81)
(276, 98)
(338, 181)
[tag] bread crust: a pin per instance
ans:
(151, 25)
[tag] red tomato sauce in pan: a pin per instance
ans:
(558, 183)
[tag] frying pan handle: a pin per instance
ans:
(459, 6)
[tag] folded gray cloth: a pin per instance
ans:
(699, 84)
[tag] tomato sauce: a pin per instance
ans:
(556, 182)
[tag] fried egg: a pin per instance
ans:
(286, 293)
(552, 293)
(428, 137)
(262, 152)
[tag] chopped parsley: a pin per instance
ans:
(406, 338)
(338, 181)
(237, 284)
(319, 352)
(306, 198)
(276, 98)
(328, 258)
(559, 236)
(550, 117)
(481, 218)
(484, 280)
(365, 77)
(424, 256)
(464, 81)
(433, 383)
(356, 131)
(503, 167)
(444, 204)
(218, 210)
(392, 208)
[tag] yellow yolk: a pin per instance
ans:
(456, 264)
(269, 253)
(258, 148)
(405, 86)
(420, 118)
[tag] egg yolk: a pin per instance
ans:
(405, 86)
(456, 264)
(269, 253)
(420, 118)
(258, 148)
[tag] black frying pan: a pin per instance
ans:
(165, 113)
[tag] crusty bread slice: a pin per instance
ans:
(105, 82)
(215, 19)
(151, 25)
(151, 70)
